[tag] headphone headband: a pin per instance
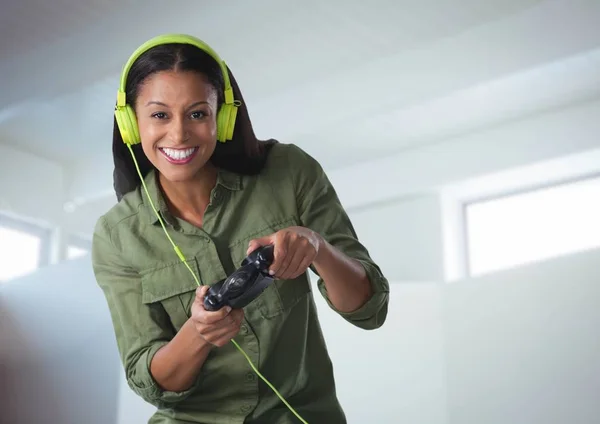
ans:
(173, 39)
(125, 115)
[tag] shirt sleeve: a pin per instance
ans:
(321, 210)
(140, 329)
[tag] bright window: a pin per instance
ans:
(536, 225)
(23, 248)
(74, 252)
(77, 247)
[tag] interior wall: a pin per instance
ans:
(404, 236)
(30, 186)
(57, 349)
(396, 373)
(538, 137)
(522, 345)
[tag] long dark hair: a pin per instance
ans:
(244, 154)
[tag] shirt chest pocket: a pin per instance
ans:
(174, 287)
(281, 295)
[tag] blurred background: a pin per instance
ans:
(463, 137)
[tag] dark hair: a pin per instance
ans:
(243, 154)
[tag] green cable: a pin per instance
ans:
(182, 257)
(268, 382)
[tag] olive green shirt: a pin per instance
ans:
(150, 291)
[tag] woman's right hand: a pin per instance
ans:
(215, 327)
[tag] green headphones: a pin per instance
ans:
(125, 116)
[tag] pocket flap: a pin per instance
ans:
(167, 281)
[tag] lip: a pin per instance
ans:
(179, 161)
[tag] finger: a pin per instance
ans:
(229, 321)
(252, 246)
(280, 253)
(201, 292)
(299, 253)
(256, 243)
(221, 335)
(211, 317)
(237, 315)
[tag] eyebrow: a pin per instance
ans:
(155, 102)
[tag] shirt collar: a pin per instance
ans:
(227, 179)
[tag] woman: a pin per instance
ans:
(217, 197)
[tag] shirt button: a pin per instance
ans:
(243, 330)
(246, 408)
(250, 376)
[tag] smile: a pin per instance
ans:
(179, 156)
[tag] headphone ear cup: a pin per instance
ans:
(226, 122)
(127, 122)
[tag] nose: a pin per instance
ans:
(178, 132)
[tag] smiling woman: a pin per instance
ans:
(201, 178)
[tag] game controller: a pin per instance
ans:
(245, 284)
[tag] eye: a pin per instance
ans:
(159, 115)
(198, 114)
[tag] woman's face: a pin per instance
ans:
(176, 114)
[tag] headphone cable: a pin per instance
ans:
(183, 259)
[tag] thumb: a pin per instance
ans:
(201, 292)
(256, 243)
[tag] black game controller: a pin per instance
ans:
(245, 284)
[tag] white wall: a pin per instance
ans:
(404, 236)
(531, 139)
(57, 349)
(30, 186)
(522, 346)
(395, 374)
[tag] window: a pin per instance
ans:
(77, 247)
(532, 226)
(23, 248)
(74, 252)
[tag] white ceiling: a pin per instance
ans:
(345, 79)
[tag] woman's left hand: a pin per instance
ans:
(295, 249)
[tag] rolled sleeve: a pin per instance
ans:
(142, 382)
(373, 313)
(140, 329)
(321, 210)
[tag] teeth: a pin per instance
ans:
(178, 154)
